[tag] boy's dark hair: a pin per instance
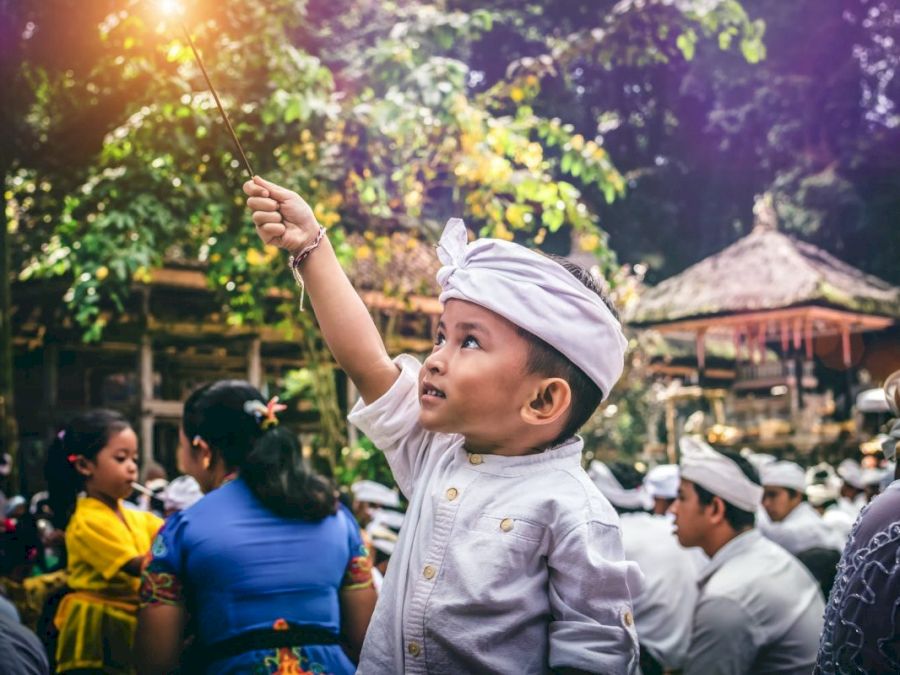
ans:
(270, 461)
(547, 361)
(792, 494)
(738, 518)
(86, 435)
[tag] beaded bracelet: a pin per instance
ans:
(295, 260)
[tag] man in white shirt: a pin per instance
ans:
(793, 523)
(759, 610)
(665, 608)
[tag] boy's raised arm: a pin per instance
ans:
(284, 219)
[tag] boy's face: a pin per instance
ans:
(690, 515)
(474, 382)
(778, 502)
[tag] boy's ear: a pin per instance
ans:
(716, 510)
(550, 401)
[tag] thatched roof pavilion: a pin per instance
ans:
(770, 287)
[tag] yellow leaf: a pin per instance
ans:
(516, 94)
(363, 252)
(501, 232)
(589, 242)
(101, 273)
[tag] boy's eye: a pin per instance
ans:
(470, 343)
(439, 339)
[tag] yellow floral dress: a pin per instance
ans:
(97, 620)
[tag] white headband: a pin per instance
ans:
(850, 471)
(374, 493)
(784, 474)
(662, 481)
(718, 474)
(612, 489)
(538, 295)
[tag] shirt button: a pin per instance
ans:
(628, 618)
(452, 494)
(506, 524)
(429, 572)
(414, 648)
(475, 459)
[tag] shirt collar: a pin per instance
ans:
(567, 452)
(733, 549)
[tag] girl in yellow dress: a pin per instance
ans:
(96, 454)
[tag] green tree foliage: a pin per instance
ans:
(529, 118)
(373, 111)
(811, 116)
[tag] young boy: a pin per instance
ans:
(510, 560)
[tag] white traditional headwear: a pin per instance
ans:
(819, 493)
(784, 474)
(662, 481)
(181, 493)
(384, 539)
(536, 294)
(872, 476)
(388, 518)
(374, 493)
(758, 460)
(612, 489)
(823, 473)
(850, 471)
(718, 474)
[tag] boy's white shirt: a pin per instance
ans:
(504, 564)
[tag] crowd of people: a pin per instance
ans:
(509, 556)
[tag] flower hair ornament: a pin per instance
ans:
(265, 413)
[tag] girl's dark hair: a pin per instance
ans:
(85, 435)
(270, 460)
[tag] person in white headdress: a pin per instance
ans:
(375, 507)
(759, 610)
(665, 608)
(853, 489)
(793, 523)
(510, 559)
(369, 498)
(661, 483)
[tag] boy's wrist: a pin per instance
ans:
(301, 253)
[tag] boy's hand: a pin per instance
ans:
(281, 216)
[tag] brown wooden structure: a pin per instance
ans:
(173, 335)
(769, 292)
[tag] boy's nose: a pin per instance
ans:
(435, 364)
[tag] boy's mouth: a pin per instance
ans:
(431, 390)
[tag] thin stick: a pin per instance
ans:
(143, 490)
(234, 137)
